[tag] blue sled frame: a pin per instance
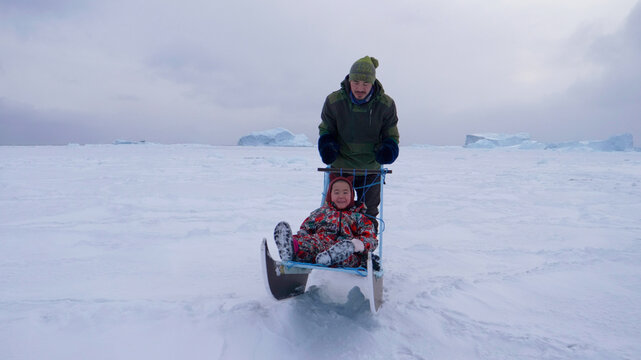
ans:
(286, 279)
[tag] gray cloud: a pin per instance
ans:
(590, 109)
(40, 6)
(24, 125)
(210, 72)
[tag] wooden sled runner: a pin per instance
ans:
(286, 279)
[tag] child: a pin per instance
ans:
(336, 234)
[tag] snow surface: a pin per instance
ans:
(274, 137)
(152, 252)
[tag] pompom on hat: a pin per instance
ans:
(364, 69)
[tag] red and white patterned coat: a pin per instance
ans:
(327, 226)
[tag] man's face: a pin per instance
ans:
(360, 89)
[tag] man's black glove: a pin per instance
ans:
(328, 148)
(387, 152)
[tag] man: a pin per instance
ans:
(358, 129)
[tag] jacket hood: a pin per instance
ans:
(335, 178)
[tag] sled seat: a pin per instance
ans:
(290, 267)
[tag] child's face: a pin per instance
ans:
(341, 194)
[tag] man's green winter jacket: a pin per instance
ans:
(359, 129)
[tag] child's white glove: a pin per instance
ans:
(358, 245)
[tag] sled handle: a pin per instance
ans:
(355, 171)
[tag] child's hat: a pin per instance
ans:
(334, 178)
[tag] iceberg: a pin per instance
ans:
(493, 140)
(274, 137)
(623, 142)
(128, 142)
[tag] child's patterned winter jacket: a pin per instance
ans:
(327, 225)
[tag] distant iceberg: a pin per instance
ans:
(274, 137)
(493, 140)
(622, 142)
(128, 142)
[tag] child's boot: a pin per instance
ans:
(283, 239)
(336, 254)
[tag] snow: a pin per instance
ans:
(274, 137)
(152, 252)
(623, 142)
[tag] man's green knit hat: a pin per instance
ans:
(364, 69)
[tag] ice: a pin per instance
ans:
(152, 252)
(127, 142)
(274, 137)
(623, 142)
(491, 140)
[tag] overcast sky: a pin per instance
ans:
(209, 71)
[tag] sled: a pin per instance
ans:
(286, 279)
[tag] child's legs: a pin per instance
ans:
(353, 260)
(311, 245)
